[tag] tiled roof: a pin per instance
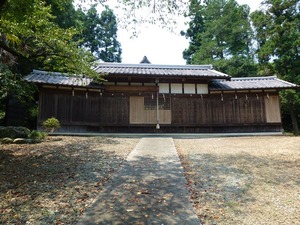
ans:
(146, 69)
(44, 77)
(271, 82)
(56, 78)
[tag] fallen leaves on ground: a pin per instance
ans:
(55, 181)
(243, 180)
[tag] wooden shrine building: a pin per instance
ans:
(160, 98)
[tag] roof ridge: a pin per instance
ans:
(49, 72)
(252, 78)
(158, 66)
(61, 74)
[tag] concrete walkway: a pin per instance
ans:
(148, 189)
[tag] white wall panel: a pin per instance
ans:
(123, 83)
(176, 88)
(136, 84)
(189, 89)
(163, 88)
(202, 88)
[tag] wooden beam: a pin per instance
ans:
(117, 88)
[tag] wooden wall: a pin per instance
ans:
(140, 115)
(216, 109)
(272, 109)
(184, 113)
(83, 109)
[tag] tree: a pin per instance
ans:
(65, 14)
(278, 36)
(193, 33)
(29, 33)
(99, 34)
(16, 10)
(40, 34)
(220, 34)
(159, 12)
(29, 38)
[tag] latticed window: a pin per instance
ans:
(150, 103)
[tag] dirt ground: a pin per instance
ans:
(55, 181)
(243, 180)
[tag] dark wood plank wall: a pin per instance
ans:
(114, 110)
(110, 110)
(83, 110)
(218, 110)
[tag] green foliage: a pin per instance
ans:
(8, 81)
(29, 32)
(162, 13)
(99, 34)
(193, 33)
(278, 36)
(37, 135)
(14, 132)
(220, 34)
(38, 34)
(2, 115)
(51, 124)
(20, 135)
(277, 31)
(11, 83)
(64, 13)
(290, 106)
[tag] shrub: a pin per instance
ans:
(14, 132)
(37, 135)
(51, 124)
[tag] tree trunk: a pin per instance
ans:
(294, 120)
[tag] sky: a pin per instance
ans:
(160, 45)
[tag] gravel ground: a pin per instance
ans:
(243, 180)
(55, 181)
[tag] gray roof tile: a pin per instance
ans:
(271, 82)
(56, 78)
(160, 70)
(44, 77)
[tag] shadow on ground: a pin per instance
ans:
(221, 182)
(145, 191)
(51, 183)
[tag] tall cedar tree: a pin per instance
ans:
(99, 34)
(278, 36)
(220, 34)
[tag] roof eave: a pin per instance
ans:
(251, 89)
(71, 86)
